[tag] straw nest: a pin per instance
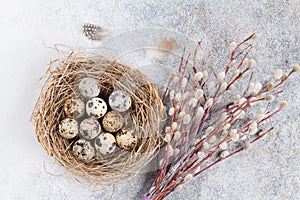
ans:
(144, 117)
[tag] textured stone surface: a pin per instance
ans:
(269, 171)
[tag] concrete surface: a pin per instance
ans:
(269, 171)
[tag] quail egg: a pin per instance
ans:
(89, 87)
(126, 139)
(96, 107)
(112, 121)
(68, 128)
(74, 108)
(89, 128)
(119, 101)
(105, 143)
(83, 150)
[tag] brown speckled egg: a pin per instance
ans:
(89, 128)
(83, 150)
(68, 128)
(89, 87)
(112, 121)
(96, 107)
(126, 139)
(105, 143)
(74, 108)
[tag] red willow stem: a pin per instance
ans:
(195, 55)
(235, 152)
(165, 92)
(233, 52)
(215, 162)
(166, 159)
(222, 92)
(243, 129)
(280, 83)
(248, 85)
(236, 78)
(214, 132)
(181, 60)
(227, 139)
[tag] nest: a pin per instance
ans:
(145, 116)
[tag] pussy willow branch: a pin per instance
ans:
(203, 130)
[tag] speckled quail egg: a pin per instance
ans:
(74, 108)
(112, 121)
(68, 128)
(96, 107)
(105, 143)
(89, 87)
(119, 101)
(83, 150)
(89, 128)
(126, 139)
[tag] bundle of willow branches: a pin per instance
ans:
(209, 119)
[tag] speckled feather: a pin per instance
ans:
(94, 32)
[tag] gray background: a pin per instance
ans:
(269, 171)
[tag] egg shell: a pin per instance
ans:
(89, 128)
(96, 107)
(126, 139)
(68, 128)
(89, 87)
(74, 108)
(83, 150)
(112, 121)
(119, 101)
(105, 143)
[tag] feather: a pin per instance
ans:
(94, 32)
